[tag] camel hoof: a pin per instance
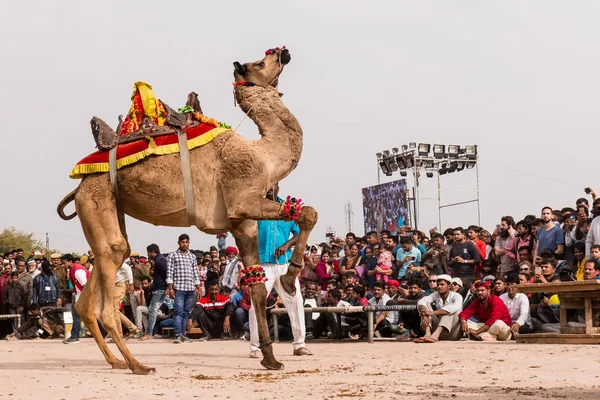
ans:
(288, 284)
(273, 365)
(119, 365)
(143, 370)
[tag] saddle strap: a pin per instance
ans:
(112, 172)
(188, 187)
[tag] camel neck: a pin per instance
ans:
(280, 131)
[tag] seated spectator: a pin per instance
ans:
(518, 307)
(488, 267)
(30, 329)
(410, 320)
(141, 312)
(53, 323)
(311, 299)
(526, 267)
(214, 314)
(432, 285)
(456, 285)
(326, 321)
(499, 287)
(548, 311)
(578, 260)
(486, 318)
(242, 302)
(439, 313)
(382, 323)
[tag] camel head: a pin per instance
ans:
(264, 72)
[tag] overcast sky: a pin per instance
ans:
(520, 79)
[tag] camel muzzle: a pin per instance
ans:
(285, 57)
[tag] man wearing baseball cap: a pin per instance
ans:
(439, 313)
(491, 314)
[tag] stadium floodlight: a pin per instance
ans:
(439, 151)
(379, 155)
(395, 150)
(403, 173)
(404, 148)
(385, 167)
(400, 162)
(428, 164)
(424, 149)
(409, 161)
(452, 167)
(453, 150)
(386, 153)
(460, 166)
(393, 164)
(470, 164)
(471, 152)
(412, 145)
(429, 174)
(443, 169)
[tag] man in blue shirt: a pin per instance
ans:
(275, 239)
(550, 236)
(407, 255)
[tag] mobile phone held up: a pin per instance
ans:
(538, 270)
(587, 190)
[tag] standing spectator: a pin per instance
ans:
(505, 233)
(351, 261)
(79, 276)
(222, 240)
(464, 256)
(324, 270)
(582, 228)
(123, 285)
(15, 298)
(473, 236)
(518, 307)
(439, 313)
(182, 279)
(275, 239)
(486, 318)
(140, 270)
(408, 255)
(232, 269)
(61, 274)
(522, 239)
(550, 236)
(486, 238)
(32, 268)
(159, 287)
(4, 280)
(25, 280)
(593, 235)
(46, 289)
(578, 260)
(436, 259)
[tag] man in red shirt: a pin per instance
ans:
(486, 318)
(213, 313)
(473, 236)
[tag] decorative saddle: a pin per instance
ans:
(106, 138)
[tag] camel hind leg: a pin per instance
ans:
(101, 226)
(246, 238)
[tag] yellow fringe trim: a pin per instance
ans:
(153, 149)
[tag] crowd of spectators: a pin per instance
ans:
(461, 282)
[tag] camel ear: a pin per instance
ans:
(241, 69)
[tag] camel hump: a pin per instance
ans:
(104, 135)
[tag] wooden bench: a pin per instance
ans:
(573, 295)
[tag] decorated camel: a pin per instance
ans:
(230, 176)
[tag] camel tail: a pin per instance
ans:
(63, 203)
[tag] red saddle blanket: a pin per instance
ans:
(131, 153)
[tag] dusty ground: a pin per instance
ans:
(384, 370)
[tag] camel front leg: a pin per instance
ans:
(246, 238)
(306, 221)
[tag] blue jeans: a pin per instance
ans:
(76, 328)
(241, 316)
(158, 296)
(184, 302)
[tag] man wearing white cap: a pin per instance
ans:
(439, 313)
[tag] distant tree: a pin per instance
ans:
(11, 239)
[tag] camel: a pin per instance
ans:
(231, 176)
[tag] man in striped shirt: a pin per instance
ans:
(184, 282)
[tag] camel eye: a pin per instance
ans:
(260, 64)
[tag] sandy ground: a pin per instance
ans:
(384, 370)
